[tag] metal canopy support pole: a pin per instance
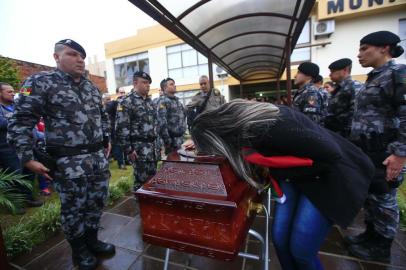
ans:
(210, 64)
(278, 90)
(288, 75)
(241, 89)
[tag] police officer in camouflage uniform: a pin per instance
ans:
(307, 99)
(77, 137)
(341, 103)
(137, 129)
(379, 128)
(324, 95)
(171, 118)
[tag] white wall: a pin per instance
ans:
(111, 82)
(345, 40)
(158, 66)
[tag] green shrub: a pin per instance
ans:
(402, 205)
(32, 230)
(119, 189)
(10, 196)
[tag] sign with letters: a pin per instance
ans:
(328, 9)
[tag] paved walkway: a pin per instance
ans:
(122, 227)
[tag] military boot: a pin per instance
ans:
(375, 249)
(362, 237)
(96, 246)
(81, 255)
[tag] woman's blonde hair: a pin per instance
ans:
(225, 130)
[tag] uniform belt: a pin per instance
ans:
(65, 151)
(138, 139)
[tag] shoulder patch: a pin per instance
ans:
(119, 107)
(25, 90)
(162, 105)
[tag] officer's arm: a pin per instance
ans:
(398, 147)
(163, 123)
(311, 106)
(122, 128)
(27, 112)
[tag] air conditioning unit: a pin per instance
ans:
(221, 73)
(322, 28)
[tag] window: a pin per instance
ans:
(302, 54)
(186, 96)
(125, 67)
(185, 62)
(402, 35)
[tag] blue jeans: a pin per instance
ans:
(298, 230)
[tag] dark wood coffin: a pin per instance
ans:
(197, 206)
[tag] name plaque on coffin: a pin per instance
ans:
(197, 206)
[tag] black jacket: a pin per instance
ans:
(338, 183)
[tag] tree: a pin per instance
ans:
(9, 73)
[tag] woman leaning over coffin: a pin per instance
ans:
(332, 191)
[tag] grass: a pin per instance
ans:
(8, 219)
(402, 205)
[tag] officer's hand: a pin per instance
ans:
(394, 165)
(107, 150)
(133, 156)
(189, 145)
(38, 168)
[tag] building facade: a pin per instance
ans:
(333, 31)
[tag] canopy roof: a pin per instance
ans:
(245, 37)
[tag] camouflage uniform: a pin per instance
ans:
(137, 129)
(341, 106)
(172, 122)
(74, 118)
(308, 101)
(379, 106)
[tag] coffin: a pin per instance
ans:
(197, 206)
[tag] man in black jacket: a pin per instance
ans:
(111, 109)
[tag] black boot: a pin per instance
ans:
(81, 255)
(96, 246)
(357, 239)
(376, 249)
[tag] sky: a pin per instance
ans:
(30, 28)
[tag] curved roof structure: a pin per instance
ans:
(245, 37)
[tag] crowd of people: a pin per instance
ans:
(325, 123)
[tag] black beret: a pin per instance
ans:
(309, 69)
(340, 64)
(380, 38)
(142, 74)
(74, 45)
(318, 78)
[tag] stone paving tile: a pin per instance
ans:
(111, 225)
(123, 259)
(334, 242)
(128, 208)
(130, 236)
(39, 250)
(145, 262)
(58, 258)
(332, 262)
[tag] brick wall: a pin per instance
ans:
(26, 69)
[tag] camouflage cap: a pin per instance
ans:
(141, 74)
(74, 45)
